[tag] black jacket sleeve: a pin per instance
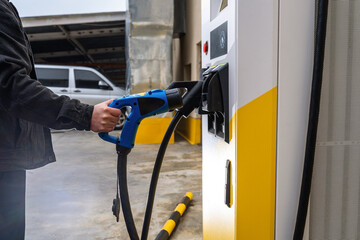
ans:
(24, 97)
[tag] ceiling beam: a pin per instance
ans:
(110, 61)
(77, 44)
(75, 53)
(103, 32)
(111, 68)
(114, 65)
(72, 19)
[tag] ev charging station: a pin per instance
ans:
(261, 53)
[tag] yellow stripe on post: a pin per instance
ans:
(256, 168)
(189, 195)
(169, 226)
(180, 208)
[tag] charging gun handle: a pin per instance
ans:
(117, 103)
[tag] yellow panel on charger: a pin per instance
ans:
(256, 168)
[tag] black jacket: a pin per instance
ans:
(28, 109)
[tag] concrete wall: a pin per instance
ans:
(191, 43)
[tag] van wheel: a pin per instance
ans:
(123, 117)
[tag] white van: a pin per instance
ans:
(82, 83)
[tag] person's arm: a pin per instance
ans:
(26, 98)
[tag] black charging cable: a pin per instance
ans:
(191, 100)
(156, 173)
(124, 194)
(313, 119)
(122, 179)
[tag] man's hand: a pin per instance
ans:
(104, 118)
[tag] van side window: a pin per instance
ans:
(53, 77)
(87, 79)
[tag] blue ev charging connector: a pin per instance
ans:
(142, 105)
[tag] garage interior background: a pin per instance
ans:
(95, 40)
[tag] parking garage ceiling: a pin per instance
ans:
(96, 40)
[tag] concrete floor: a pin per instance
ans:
(72, 198)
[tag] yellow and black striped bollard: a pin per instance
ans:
(170, 224)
